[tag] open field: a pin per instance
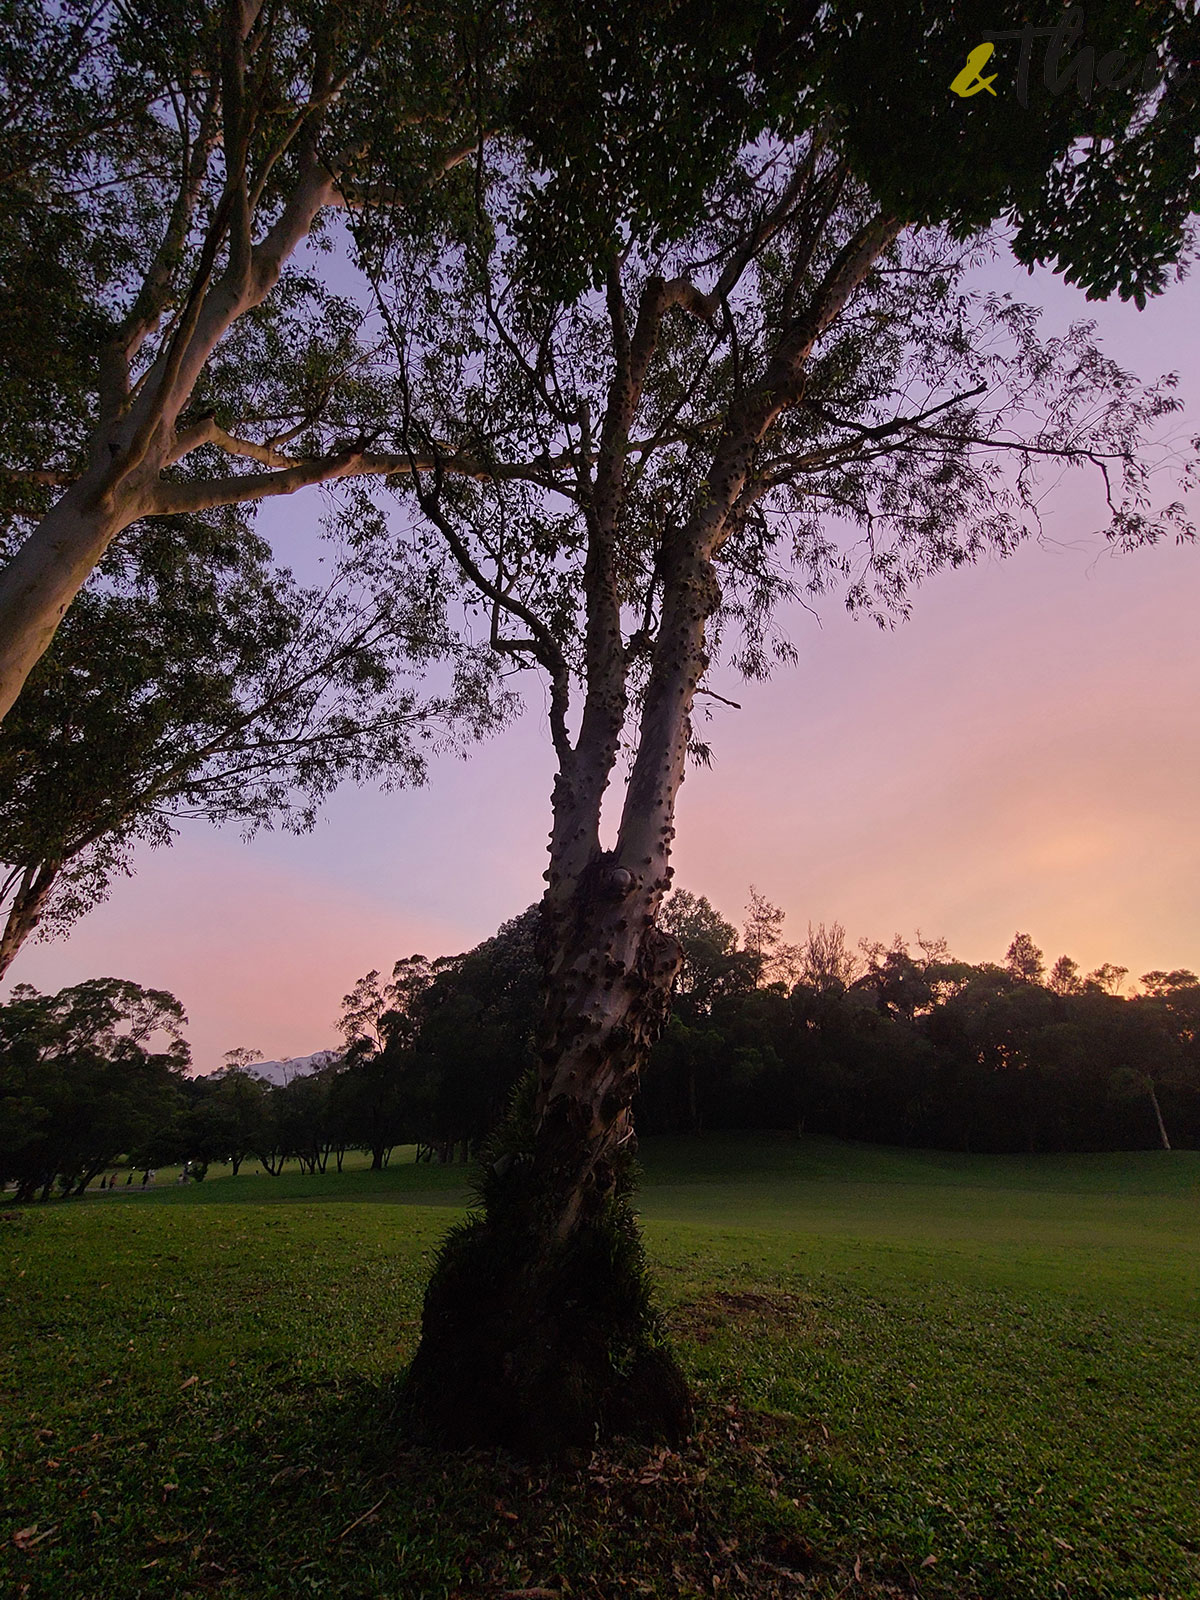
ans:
(918, 1374)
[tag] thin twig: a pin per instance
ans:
(363, 1518)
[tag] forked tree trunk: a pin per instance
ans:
(538, 1331)
(136, 438)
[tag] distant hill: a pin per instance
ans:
(294, 1066)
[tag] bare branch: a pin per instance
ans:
(440, 457)
(248, 488)
(897, 424)
(682, 292)
(713, 695)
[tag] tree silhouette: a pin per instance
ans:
(1024, 960)
(86, 1075)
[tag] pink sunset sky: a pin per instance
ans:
(1023, 753)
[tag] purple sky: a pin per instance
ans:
(1024, 753)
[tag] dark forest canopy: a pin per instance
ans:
(896, 1044)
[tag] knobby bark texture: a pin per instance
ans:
(539, 1332)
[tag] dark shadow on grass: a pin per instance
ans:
(698, 1519)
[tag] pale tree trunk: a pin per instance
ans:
(1158, 1116)
(26, 909)
(48, 571)
(135, 442)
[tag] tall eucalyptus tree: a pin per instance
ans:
(731, 382)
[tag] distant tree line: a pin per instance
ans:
(904, 1044)
(95, 1077)
(898, 1044)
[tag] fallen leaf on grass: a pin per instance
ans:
(27, 1538)
(929, 1561)
(189, 1382)
(784, 1572)
(530, 1594)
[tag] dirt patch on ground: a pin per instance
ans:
(700, 1320)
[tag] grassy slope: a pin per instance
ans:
(964, 1376)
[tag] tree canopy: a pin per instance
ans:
(86, 1076)
(170, 164)
(194, 678)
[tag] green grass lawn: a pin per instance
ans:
(918, 1374)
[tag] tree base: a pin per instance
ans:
(541, 1351)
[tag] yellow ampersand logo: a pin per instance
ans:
(969, 81)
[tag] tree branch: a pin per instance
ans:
(156, 289)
